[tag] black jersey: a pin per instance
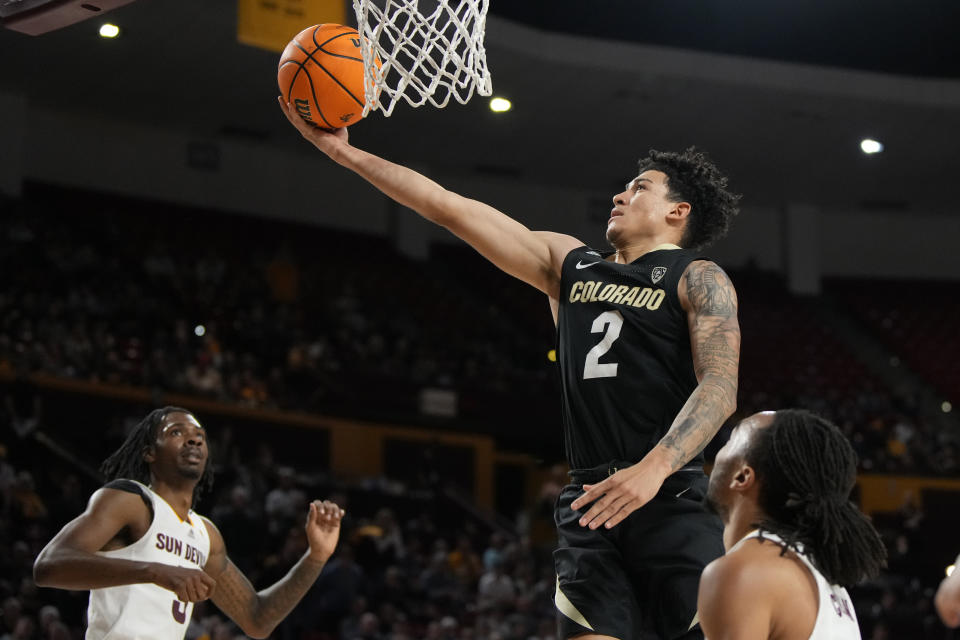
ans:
(623, 343)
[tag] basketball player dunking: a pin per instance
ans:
(648, 349)
(146, 556)
(782, 485)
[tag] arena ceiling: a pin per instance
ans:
(779, 93)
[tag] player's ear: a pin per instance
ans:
(149, 454)
(680, 211)
(744, 478)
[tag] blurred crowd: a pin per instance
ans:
(259, 313)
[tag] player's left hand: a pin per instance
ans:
(327, 140)
(619, 495)
(323, 528)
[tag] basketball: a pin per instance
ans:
(321, 75)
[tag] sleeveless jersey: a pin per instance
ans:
(623, 344)
(836, 618)
(142, 611)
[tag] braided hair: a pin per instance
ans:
(807, 469)
(127, 462)
(693, 178)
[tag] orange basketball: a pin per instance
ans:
(321, 75)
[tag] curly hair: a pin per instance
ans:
(693, 178)
(127, 462)
(807, 469)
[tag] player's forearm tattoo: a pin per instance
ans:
(715, 341)
(264, 610)
(278, 600)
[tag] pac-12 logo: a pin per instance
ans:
(657, 274)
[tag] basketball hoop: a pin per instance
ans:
(429, 50)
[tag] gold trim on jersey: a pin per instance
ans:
(567, 608)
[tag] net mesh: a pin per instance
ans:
(429, 51)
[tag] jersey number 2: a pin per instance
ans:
(609, 323)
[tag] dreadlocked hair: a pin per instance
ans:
(127, 462)
(693, 178)
(806, 469)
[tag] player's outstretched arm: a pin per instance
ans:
(711, 302)
(258, 613)
(530, 256)
(70, 561)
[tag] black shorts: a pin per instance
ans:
(640, 578)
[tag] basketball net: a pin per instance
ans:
(427, 53)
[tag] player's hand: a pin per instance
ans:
(619, 495)
(947, 599)
(190, 585)
(327, 140)
(323, 528)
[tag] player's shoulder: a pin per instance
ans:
(560, 244)
(121, 491)
(701, 267)
(754, 591)
(216, 538)
(755, 568)
(128, 486)
(733, 598)
(121, 500)
(207, 522)
(704, 285)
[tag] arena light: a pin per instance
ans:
(870, 146)
(108, 30)
(500, 105)
(199, 330)
(552, 355)
(946, 407)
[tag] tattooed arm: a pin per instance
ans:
(711, 304)
(710, 301)
(258, 613)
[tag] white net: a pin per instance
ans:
(429, 51)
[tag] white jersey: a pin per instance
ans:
(836, 619)
(146, 611)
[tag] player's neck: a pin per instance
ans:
(743, 519)
(634, 249)
(178, 495)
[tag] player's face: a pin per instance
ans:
(640, 209)
(730, 459)
(181, 446)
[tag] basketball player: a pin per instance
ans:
(782, 485)
(648, 350)
(147, 557)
